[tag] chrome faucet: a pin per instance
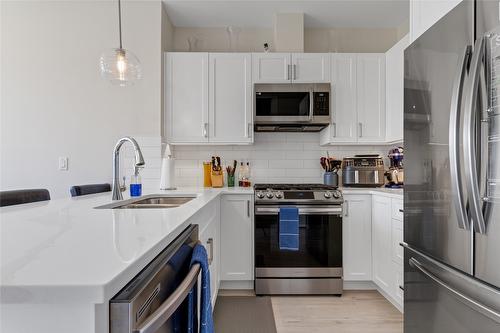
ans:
(139, 162)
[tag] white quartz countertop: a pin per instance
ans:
(66, 251)
(396, 193)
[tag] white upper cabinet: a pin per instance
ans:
(230, 98)
(291, 67)
(271, 67)
(186, 97)
(394, 78)
(311, 67)
(358, 99)
(208, 98)
(424, 13)
(371, 97)
(357, 238)
(343, 99)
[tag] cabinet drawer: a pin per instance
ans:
(397, 209)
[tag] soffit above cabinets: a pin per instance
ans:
(317, 14)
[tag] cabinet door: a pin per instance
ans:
(271, 67)
(370, 72)
(381, 228)
(230, 97)
(394, 77)
(236, 237)
(424, 13)
(311, 67)
(186, 98)
(343, 101)
(357, 238)
(209, 238)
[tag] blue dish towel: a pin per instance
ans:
(289, 228)
(206, 320)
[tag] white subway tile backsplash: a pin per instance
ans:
(273, 158)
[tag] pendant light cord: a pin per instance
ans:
(120, 22)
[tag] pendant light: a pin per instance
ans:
(120, 66)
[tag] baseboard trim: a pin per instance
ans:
(359, 285)
(245, 285)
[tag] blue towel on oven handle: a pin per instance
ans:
(289, 228)
(206, 321)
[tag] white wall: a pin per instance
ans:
(53, 100)
(315, 40)
(274, 158)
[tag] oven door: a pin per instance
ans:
(320, 243)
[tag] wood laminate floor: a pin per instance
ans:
(354, 312)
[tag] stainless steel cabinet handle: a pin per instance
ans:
(162, 314)
(205, 130)
(248, 208)
(346, 203)
(469, 140)
(295, 72)
(250, 130)
(401, 211)
(334, 125)
(491, 313)
(210, 242)
(360, 127)
(454, 139)
(288, 70)
(402, 288)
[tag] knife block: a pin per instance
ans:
(217, 179)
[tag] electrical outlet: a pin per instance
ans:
(63, 163)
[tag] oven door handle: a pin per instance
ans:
(308, 210)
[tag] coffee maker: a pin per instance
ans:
(395, 174)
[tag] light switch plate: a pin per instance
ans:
(63, 163)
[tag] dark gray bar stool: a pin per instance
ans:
(79, 190)
(17, 197)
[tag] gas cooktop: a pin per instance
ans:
(297, 194)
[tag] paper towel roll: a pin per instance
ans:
(167, 174)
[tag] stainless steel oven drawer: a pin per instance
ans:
(298, 272)
(320, 286)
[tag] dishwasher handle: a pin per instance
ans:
(163, 313)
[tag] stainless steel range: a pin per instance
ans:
(315, 267)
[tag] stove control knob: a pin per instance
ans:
(337, 194)
(269, 195)
(279, 195)
(260, 195)
(328, 194)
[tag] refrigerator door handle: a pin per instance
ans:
(454, 147)
(487, 311)
(469, 140)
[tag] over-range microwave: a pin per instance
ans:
(292, 107)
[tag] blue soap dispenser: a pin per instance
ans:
(135, 184)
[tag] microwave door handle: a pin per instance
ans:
(167, 308)
(454, 139)
(470, 138)
(311, 105)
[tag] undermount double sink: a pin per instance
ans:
(150, 201)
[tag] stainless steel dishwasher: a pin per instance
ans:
(155, 301)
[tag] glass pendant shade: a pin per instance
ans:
(120, 67)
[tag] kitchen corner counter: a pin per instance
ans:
(66, 251)
(396, 193)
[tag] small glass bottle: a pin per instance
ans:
(135, 184)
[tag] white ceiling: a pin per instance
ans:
(260, 13)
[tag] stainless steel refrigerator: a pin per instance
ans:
(452, 174)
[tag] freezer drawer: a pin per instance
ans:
(439, 299)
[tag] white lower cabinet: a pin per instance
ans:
(237, 237)
(209, 236)
(381, 237)
(357, 238)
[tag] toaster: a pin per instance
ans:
(363, 171)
